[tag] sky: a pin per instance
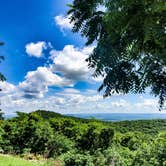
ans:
(45, 64)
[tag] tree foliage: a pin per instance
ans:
(130, 34)
(2, 78)
(94, 143)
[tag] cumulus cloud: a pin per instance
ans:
(74, 97)
(71, 90)
(120, 103)
(6, 88)
(71, 62)
(67, 101)
(71, 100)
(151, 103)
(36, 49)
(37, 82)
(66, 68)
(63, 22)
(68, 63)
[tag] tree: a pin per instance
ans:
(2, 78)
(1, 115)
(130, 52)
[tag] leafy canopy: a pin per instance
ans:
(2, 78)
(131, 35)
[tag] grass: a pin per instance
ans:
(6, 160)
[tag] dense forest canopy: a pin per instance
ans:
(131, 43)
(80, 142)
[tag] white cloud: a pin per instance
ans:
(67, 101)
(68, 68)
(144, 103)
(71, 90)
(120, 103)
(36, 49)
(37, 82)
(71, 63)
(150, 102)
(6, 88)
(63, 22)
(71, 100)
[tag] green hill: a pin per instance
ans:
(48, 114)
(82, 142)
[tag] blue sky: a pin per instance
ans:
(44, 64)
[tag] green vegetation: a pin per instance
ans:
(130, 37)
(2, 78)
(9, 160)
(72, 141)
(15, 161)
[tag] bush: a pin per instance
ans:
(96, 138)
(76, 159)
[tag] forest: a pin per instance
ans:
(80, 142)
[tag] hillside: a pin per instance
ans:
(82, 142)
